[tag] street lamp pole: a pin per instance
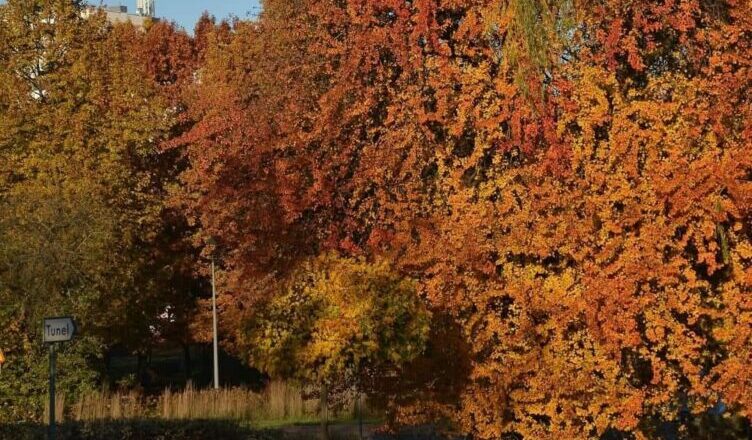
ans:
(214, 316)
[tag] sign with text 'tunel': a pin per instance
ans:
(59, 329)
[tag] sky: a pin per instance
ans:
(187, 12)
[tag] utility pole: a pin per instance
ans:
(214, 316)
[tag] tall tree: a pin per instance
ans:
(82, 186)
(247, 112)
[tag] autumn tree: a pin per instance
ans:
(82, 186)
(507, 180)
(568, 181)
(337, 321)
(255, 91)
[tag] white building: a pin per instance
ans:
(146, 8)
(145, 11)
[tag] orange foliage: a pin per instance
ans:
(582, 212)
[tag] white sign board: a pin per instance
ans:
(59, 329)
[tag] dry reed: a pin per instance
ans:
(280, 401)
(59, 408)
(226, 403)
(106, 406)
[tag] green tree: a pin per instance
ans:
(82, 184)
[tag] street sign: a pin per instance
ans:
(56, 330)
(59, 329)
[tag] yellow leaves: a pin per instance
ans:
(726, 332)
(744, 250)
(337, 316)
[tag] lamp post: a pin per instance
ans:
(213, 243)
(214, 327)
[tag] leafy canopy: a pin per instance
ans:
(337, 318)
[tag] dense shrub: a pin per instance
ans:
(24, 382)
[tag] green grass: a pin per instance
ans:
(308, 421)
(282, 423)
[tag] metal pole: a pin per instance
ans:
(52, 393)
(214, 315)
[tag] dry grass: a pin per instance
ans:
(226, 403)
(59, 408)
(287, 401)
(107, 406)
(279, 402)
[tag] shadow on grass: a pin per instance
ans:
(137, 430)
(202, 430)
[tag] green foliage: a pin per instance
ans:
(55, 258)
(25, 374)
(56, 254)
(24, 378)
(530, 35)
(338, 317)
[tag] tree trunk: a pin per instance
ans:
(324, 411)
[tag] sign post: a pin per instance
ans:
(53, 427)
(56, 330)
